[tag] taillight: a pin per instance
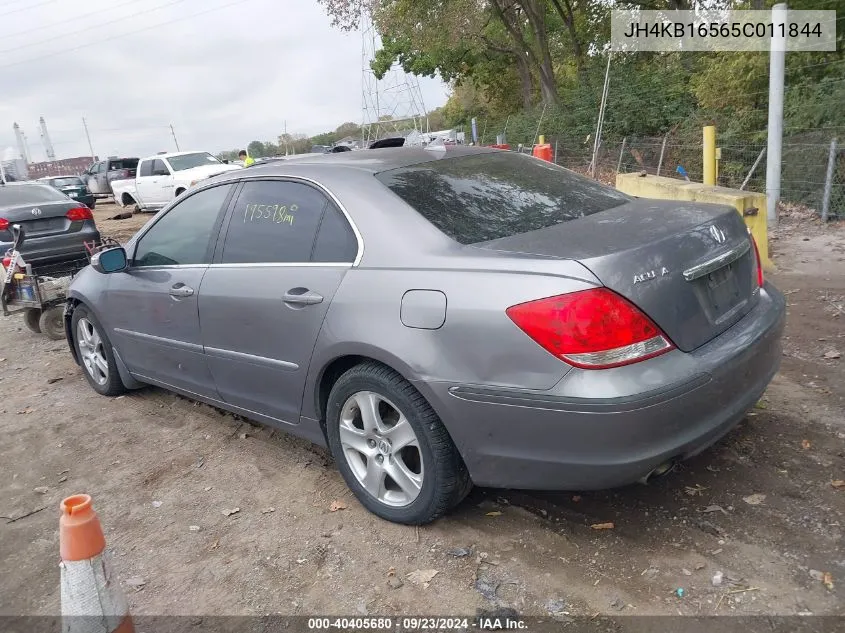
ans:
(7, 261)
(4, 224)
(591, 329)
(79, 213)
(758, 264)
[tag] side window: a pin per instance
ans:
(98, 168)
(273, 222)
(145, 168)
(159, 168)
(182, 235)
(336, 241)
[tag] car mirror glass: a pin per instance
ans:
(112, 260)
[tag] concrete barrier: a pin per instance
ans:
(751, 206)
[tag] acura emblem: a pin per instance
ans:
(36, 211)
(717, 234)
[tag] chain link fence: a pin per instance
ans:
(811, 172)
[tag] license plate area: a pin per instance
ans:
(44, 225)
(722, 292)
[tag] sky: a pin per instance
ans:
(222, 72)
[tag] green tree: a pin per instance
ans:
(256, 149)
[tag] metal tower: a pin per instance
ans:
(45, 139)
(19, 137)
(393, 103)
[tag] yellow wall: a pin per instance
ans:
(672, 189)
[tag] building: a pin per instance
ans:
(14, 167)
(64, 167)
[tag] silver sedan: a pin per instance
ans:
(442, 317)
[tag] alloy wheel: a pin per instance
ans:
(381, 448)
(92, 352)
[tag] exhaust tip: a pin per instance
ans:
(663, 469)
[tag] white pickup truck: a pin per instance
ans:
(164, 177)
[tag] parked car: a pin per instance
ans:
(100, 175)
(55, 226)
(73, 187)
(164, 177)
(440, 318)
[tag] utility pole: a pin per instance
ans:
(600, 122)
(88, 136)
(777, 63)
(174, 138)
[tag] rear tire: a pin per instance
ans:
(93, 349)
(31, 318)
(433, 476)
(52, 323)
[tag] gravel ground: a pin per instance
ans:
(761, 508)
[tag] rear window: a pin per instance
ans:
(123, 163)
(13, 195)
(481, 197)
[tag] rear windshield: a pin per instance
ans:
(483, 197)
(123, 163)
(189, 161)
(14, 195)
(66, 182)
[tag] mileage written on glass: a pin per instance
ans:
(275, 213)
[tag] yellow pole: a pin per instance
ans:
(709, 155)
(542, 139)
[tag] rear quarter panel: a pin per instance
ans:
(477, 344)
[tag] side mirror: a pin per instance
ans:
(112, 260)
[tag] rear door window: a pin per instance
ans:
(336, 241)
(273, 221)
(476, 198)
(159, 168)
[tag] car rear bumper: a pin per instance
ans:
(54, 249)
(602, 429)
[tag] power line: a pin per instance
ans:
(65, 21)
(32, 6)
(94, 26)
(121, 35)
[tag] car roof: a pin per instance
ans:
(370, 160)
(54, 177)
(171, 154)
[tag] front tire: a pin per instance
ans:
(391, 447)
(95, 354)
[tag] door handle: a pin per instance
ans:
(181, 290)
(302, 296)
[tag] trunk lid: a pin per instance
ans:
(39, 220)
(688, 266)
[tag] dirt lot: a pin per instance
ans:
(760, 507)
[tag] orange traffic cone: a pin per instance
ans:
(92, 601)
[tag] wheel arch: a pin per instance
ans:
(344, 359)
(126, 199)
(73, 301)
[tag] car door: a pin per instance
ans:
(280, 259)
(155, 184)
(160, 184)
(93, 178)
(151, 308)
(144, 181)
